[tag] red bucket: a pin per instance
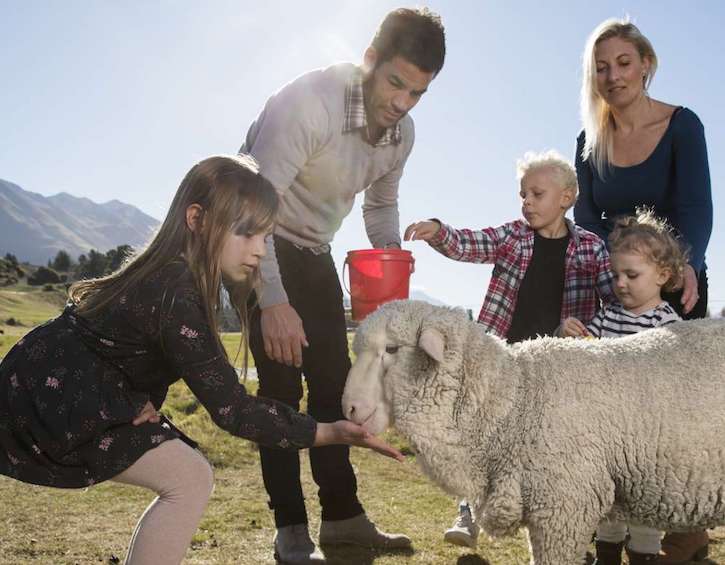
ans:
(377, 276)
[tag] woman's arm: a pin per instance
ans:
(693, 196)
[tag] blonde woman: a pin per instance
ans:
(637, 151)
(79, 396)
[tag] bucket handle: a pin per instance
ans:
(345, 267)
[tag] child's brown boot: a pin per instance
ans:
(679, 548)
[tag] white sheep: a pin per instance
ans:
(551, 434)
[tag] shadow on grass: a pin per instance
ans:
(472, 559)
(345, 555)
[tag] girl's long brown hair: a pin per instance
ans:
(233, 197)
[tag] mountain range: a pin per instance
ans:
(34, 227)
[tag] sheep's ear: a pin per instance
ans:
(431, 341)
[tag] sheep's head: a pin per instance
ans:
(394, 346)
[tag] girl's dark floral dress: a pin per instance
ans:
(70, 389)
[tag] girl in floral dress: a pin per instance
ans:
(79, 396)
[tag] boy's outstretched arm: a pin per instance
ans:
(472, 246)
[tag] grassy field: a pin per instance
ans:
(63, 527)
(28, 307)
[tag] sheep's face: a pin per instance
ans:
(388, 342)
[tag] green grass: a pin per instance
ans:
(28, 306)
(68, 527)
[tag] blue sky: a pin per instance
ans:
(118, 99)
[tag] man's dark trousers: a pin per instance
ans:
(313, 289)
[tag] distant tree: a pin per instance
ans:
(12, 259)
(42, 276)
(62, 262)
(81, 266)
(117, 256)
(97, 263)
(91, 266)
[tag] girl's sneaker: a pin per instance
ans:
(464, 530)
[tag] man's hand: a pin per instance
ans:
(283, 334)
(350, 433)
(421, 230)
(571, 327)
(690, 295)
(148, 414)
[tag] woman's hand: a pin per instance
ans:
(571, 327)
(422, 230)
(690, 296)
(148, 414)
(350, 433)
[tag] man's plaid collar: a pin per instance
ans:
(355, 117)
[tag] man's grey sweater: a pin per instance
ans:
(318, 169)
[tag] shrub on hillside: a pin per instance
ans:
(8, 273)
(62, 261)
(42, 276)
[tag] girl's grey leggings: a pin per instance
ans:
(183, 480)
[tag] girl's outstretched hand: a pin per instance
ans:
(422, 230)
(350, 433)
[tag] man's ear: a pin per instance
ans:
(432, 342)
(194, 217)
(370, 60)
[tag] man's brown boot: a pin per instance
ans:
(679, 548)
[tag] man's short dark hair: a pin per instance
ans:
(416, 35)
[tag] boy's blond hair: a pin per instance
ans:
(562, 169)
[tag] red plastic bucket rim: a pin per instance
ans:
(400, 253)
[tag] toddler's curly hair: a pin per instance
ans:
(652, 238)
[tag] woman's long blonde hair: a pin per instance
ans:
(233, 197)
(596, 114)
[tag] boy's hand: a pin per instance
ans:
(571, 327)
(422, 230)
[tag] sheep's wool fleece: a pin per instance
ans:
(556, 434)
